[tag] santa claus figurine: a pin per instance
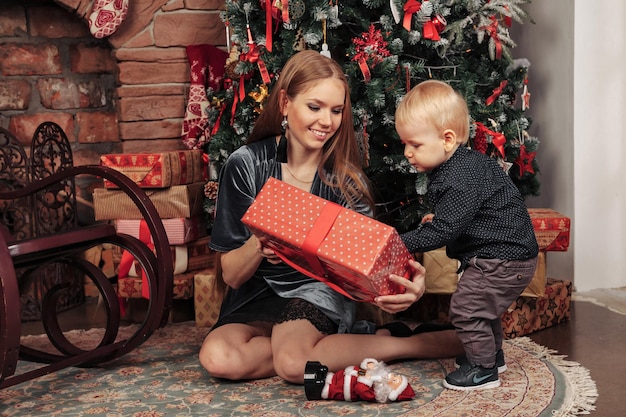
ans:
(370, 381)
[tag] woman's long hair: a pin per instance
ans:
(340, 155)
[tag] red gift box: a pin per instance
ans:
(352, 253)
(158, 170)
(551, 229)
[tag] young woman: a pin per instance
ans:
(274, 319)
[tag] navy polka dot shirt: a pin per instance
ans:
(478, 212)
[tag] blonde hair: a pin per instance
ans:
(340, 156)
(436, 102)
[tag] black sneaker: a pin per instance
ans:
(462, 360)
(314, 380)
(472, 377)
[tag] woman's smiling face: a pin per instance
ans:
(316, 114)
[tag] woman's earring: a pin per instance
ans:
(284, 124)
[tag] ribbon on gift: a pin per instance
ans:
(410, 7)
(127, 260)
(314, 239)
(312, 242)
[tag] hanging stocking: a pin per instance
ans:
(206, 63)
(106, 16)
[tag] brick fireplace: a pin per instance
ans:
(124, 93)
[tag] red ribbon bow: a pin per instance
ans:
(496, 93)
(410, 7)
(492, 30)
(128, 259)
(497, 138)
(430, 31)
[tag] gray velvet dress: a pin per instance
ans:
(264, 295)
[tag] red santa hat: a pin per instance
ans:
(402, 392)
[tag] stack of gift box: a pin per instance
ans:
(545, 303)
(174, 181)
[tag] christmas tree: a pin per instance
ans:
(385, 48)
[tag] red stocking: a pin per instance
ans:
(106, 16)
(206, 63)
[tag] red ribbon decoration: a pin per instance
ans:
(492, 30)
(127, 260)
(496, 93)
(498, 141)
(254, 56)
(410, 7)
(367, 75)
(430, 31)
(497, 138)
(268, 25)
(216, 126)
(507, 19)
(237, 98)
(285, 11)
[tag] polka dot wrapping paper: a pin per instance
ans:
(351, 252)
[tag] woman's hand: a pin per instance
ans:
(266, 252)
(414, 290)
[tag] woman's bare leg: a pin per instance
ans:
(238, 351)
(296, 342)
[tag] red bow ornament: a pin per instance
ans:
(410, 7)
(496, 93)
(492, 30)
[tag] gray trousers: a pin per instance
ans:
(485, 290)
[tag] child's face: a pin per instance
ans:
(424, 146)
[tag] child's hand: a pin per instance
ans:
(414, 290)
(428, 218)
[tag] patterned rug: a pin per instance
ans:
(164, 378)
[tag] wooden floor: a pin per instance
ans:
(595, 337)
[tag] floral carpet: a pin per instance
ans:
(164, 378)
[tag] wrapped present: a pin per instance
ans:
(131, 287)
(526, 315)
(442, 276)
(352, 253)
(206, 303)
(172, 202)
(192, 256)
(179, 231)
(552, 229)
(158, 170)
(441, 272)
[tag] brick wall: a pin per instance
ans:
(124, 93)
